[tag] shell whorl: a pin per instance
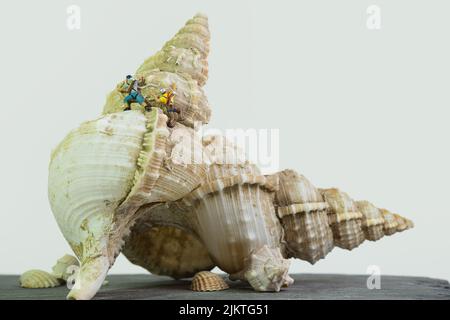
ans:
(185, 53)
(303, 213)
(372, 222)
(316, 220)
(345, 219)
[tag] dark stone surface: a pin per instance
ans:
(306, 286)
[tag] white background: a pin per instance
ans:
(363, 110)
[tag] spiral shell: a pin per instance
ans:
(38, 279)
(179, 203)
(59, 270)
(208, 281)
(303, 213)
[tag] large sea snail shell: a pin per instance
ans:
(178, 203)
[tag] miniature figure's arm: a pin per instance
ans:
(123, 87)
(141, 81)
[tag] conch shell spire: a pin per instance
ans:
(181, 62)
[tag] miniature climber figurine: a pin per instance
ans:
(166, 98)
(132, 86)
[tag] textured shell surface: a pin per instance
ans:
(148, 164)
(187, 62)
(343, 207)
(184, 167)
(345, 219)
(249, 223)
(267, 270)
(38, 279)
(371, 214)
(167, 250)
(98, 167)
(91, 172)
(233, 205)
(183, 62)
(177, 202)
(59, 270)
(401, 223)
(207, 281)
(372, 222)
(296, 189)
(390, 222)
(190, 98)
(228, 164)
(303, 213)
(223, 151)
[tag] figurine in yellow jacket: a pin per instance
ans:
(167, 98)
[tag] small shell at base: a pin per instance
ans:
(267, 270)
(38, 279)
(59, 270)
(207, 281)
